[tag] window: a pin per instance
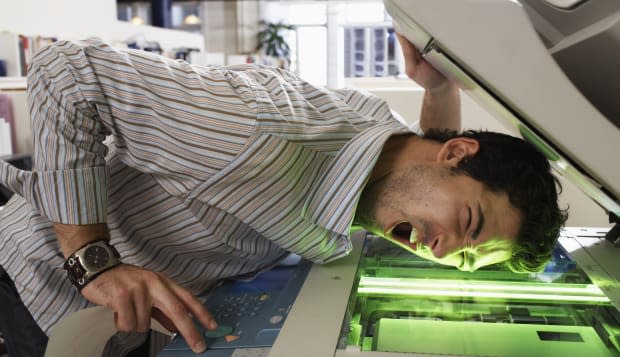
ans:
(370, 51)
(367, 43)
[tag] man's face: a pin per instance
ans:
(440, 215)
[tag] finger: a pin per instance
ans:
(403, 41)
(406, 46)
(163, 320)
(411, 54)
(175, 310)
(126, 316)
(195, 307)
(417, 55)
(142, 306)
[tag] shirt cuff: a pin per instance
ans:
(71, 196)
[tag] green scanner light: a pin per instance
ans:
(481, 289)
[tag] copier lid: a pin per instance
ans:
(492, 49)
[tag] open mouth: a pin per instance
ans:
(404, 233)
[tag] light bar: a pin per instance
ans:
(484, 289)
(479, 294)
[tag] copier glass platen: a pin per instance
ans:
(382, 301)
(405, 304)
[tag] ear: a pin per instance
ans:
(454, 150)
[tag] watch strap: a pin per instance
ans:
(79, 274)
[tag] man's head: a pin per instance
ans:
(467, 200)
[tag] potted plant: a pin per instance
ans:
(271, 41)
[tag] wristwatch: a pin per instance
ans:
(89, 261)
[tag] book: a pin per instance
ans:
(17, 51)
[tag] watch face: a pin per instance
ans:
(96, 257)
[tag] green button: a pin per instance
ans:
(220, 331)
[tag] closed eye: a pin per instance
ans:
(469, 218)
(480, 223)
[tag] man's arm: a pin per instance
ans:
(77, 96)
(441, 106)
(73, 237)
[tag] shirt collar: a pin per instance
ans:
(334, 196)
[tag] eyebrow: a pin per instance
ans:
(480, 223)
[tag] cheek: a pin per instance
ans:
(428, 197)
(441, 206)
(451, 260)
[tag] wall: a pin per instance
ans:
(75, 20)
(220, 26)
(23, 132)
(230, 27)
(406, 98)
(78, 19)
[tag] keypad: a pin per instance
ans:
(239, 305)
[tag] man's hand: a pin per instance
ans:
(134, 294)
(441, 108)
(418, 69)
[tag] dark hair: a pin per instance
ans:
(509, 164)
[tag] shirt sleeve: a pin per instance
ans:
(177, 122)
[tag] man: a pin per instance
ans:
(217, 172)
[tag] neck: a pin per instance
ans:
(401, 151)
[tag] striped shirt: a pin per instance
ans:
(210, 172)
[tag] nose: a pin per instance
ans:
(438, 247)
(444, 245)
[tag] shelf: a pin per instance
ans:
(12, 83)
